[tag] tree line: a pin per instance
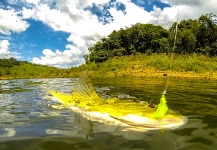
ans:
(9, 62)
(193, 36)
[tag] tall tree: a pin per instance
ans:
(207, 33)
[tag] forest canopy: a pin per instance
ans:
(9, 62)
(193, 36)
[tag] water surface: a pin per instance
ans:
(29, 120)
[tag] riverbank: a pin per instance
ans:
(156, 66)
(198, 67)
(149, 73)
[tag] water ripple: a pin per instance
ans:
(27, 115)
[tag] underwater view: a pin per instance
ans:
(32, 118)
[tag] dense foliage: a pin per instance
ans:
(9, 62)
(193, 36)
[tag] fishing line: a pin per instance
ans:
(173, 49)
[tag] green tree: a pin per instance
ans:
(194, 36)
(207, 33)
(186, 42)
(9, 62)
(7, 72)
(213, 49)
(118, 52)
(186, 36)
(164, 45)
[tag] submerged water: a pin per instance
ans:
(28, 119)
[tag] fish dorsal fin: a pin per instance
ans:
(84, 93)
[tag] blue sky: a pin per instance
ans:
(59, 32)
(37, 37)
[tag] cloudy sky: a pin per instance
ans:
(59, 32)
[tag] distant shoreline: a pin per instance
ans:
(185, 66)
(149, 73)
(160, 74)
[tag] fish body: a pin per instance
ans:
(86, 102)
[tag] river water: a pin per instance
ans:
(29, 120)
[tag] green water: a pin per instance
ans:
(28, 120)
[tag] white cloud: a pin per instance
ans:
(69, 57)
(52, 17)
(185, 2)
(86, 3)
(185, 10)
(85, 29)
(11, 22)
(5, 50)
(33, 1)
(129, 17)
(192, 8)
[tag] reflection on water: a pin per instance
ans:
(28, 120)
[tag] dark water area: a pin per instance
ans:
(29, 120)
